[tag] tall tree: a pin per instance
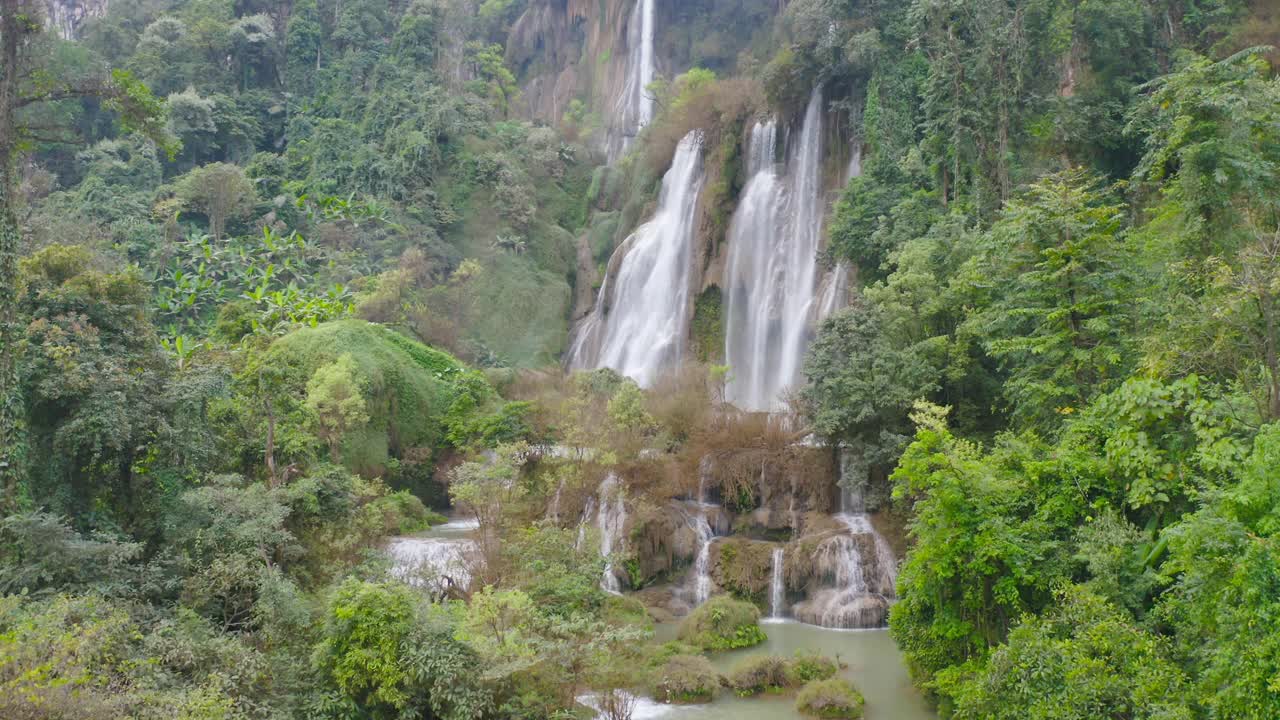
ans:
(29, 87)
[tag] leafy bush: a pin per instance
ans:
(808, 666)
(762, 673)
(832, 698)
(723, 623)
(686, 679)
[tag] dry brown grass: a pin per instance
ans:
(711, 108)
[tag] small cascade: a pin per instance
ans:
(697, 513)
(772, 268)
(587, 512)
(833, 294)
(611, 521)
(858, 567)
(855, 162)
(640, 321)
(777, 587)
(440, 562)
(635, 105)
(553, 509)
(702, 564)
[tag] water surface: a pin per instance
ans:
(875, 667)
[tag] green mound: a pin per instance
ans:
(833, 698)
(408, 387)
(723, 623)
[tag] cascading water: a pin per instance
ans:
(635, 105)
(772, 270)
(610, 521)
(777, 586)
(641, 317)
(858, 566)
(440, 562)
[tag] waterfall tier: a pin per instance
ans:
(640, 323)
(611, 521)
(441, 563)
(777, 586)
(635, 105)
(774, 299)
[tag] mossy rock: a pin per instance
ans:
(723, 623)
(832, 698)
(685, 679)
(407, 386)
(743, 568)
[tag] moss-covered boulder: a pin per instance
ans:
(723, 623)
(743, 567)
(685, 679)
(659, 541)
(832, 698)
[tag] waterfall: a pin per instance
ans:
(440, 562)
(611, 521)
(777, 590)
(702, 565)
(772, 268)
(437, 564)
(858, 567)
(635, 105)
(855, 162)
(641, 317)
(834, 292)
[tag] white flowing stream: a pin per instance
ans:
(635, 105)
(640, 321)
(774, 298)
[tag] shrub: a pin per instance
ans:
(686, 679)
(758, 674)
(809, 666)
(831, 698)
(723, 623)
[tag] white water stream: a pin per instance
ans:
(439, 560)
(777, 587)
(635, 105)
(640, 321)
(611, 520)
(774, 299)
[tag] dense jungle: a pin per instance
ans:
(624, 359)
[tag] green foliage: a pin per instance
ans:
(1084, 659)
(1058, 321)
(334, 399)
(806, 667)
(723, 623)
(406, 388)
(833, 698)
(366, 626)
(861, 386)
(982, 557)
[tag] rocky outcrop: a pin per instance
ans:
(743, 567)
(563, 50)
(776, 492)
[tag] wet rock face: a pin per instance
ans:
(743, 567)
(841, 608)
(775, 490)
